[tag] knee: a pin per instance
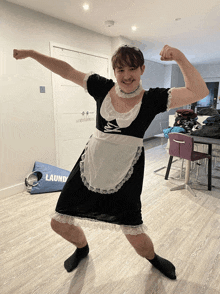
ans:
(55, 225)
(137, 241)
(62, 228)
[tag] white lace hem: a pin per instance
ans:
(119, 185)
(169, 98)
(96, 224)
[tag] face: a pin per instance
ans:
(128, 78)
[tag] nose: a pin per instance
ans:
(127, 74)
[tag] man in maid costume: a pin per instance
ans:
(105, 185)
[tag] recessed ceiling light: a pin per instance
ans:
(86, 6)
(134, 28)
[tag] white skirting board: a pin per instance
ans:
(12, 190)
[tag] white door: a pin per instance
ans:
(75, 110)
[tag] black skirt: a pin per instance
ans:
(121, 208)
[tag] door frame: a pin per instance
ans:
(79, 50)
(215, 79)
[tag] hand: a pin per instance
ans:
(21, 54)
(169, 53)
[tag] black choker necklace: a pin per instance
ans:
(132, 94)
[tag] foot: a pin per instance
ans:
(72, 262)
(164, 266)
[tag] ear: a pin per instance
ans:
(142, 69)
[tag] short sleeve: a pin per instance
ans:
(98, 86)
(160, 99)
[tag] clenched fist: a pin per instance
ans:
(169, 53)
(21, 54)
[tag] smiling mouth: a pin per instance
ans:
(128, 83)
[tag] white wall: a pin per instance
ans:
(176, 81)
(154, 75)
(209, 70)
(26, 116)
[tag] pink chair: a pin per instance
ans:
(181, 145)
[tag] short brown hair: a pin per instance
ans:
(127, 56)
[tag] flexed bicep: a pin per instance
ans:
(180, 97)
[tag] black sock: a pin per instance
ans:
(72, 262)
(164, 266)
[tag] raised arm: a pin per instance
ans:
(195, 88)
(55, 65)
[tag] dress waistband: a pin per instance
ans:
(118, 139)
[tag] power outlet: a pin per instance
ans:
(42, 89)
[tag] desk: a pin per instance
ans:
(208, 141)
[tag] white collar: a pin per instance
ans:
(133, 94)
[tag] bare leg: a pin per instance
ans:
(74, 235)
(71, 233)
(145, 248)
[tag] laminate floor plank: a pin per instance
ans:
(185, 229)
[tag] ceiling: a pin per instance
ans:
(196, 34)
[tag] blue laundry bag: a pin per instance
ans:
(46, 178)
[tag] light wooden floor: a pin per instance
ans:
(184, 229)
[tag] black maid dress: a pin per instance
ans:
(104, 188)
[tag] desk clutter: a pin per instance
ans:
(205, 123)
(185, 121)
(210, 128)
